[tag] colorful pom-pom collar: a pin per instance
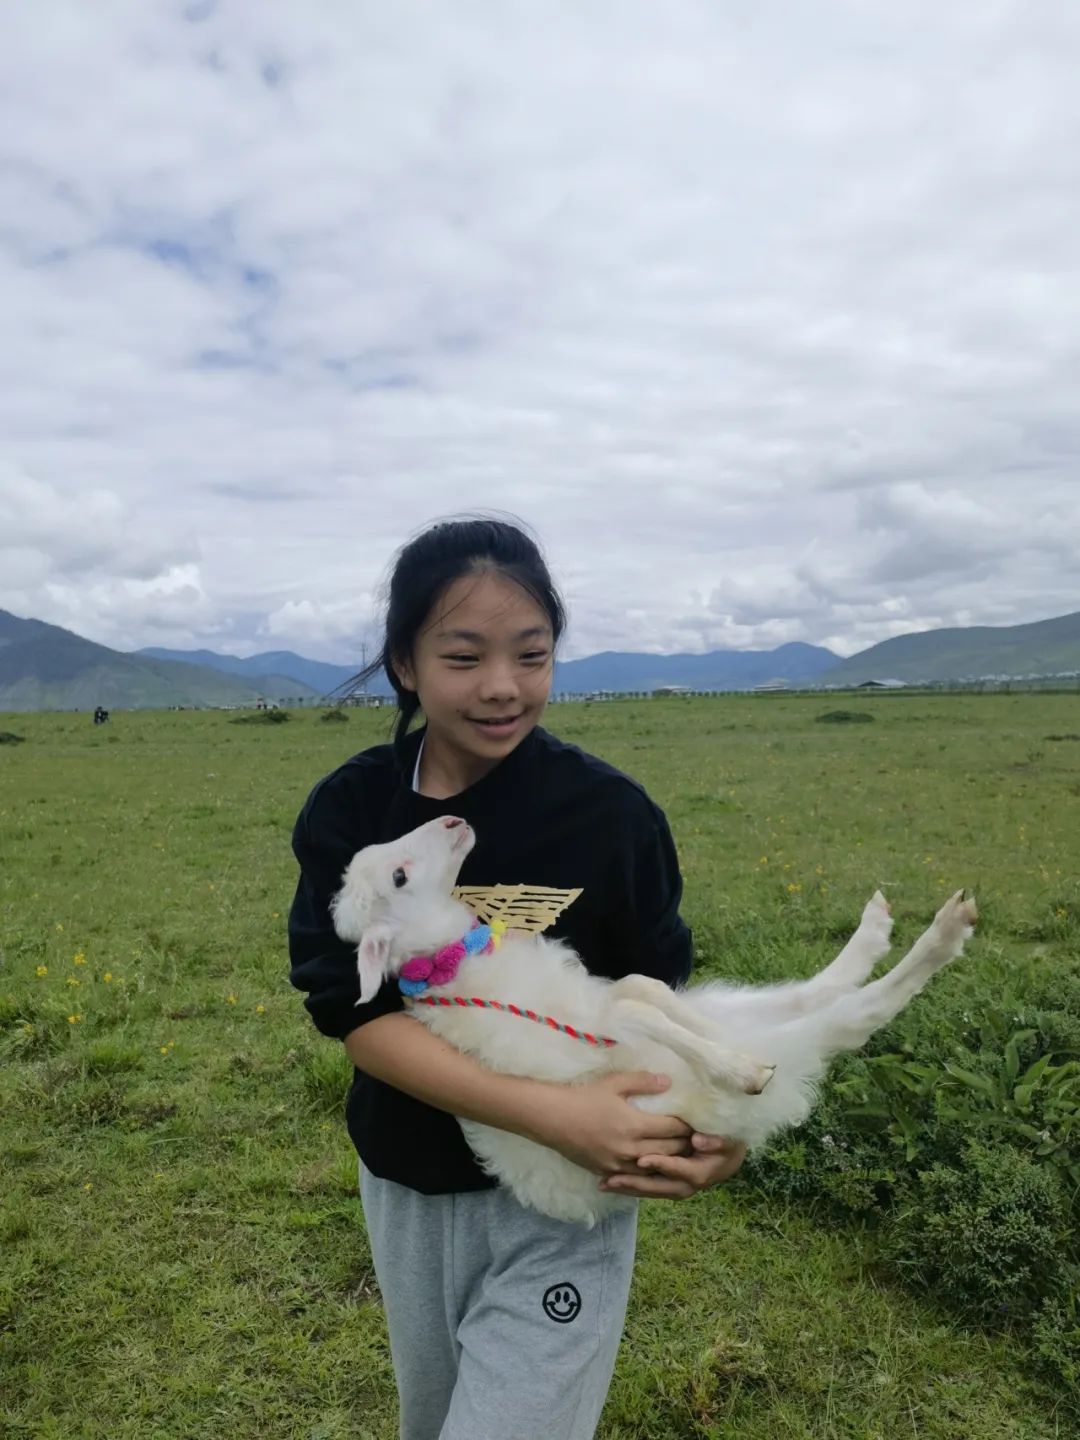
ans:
(424, 971)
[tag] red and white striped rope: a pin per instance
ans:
(522, 1014)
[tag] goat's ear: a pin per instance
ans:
(371, 961)
(351, 908)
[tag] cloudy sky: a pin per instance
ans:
(764, 315)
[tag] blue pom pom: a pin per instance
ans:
(412, 987)
(476, 939)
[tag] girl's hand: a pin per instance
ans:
(675, 1177)
(595, 1126)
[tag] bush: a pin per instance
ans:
(8, 737)
(966, 1160)
(845, 717)
(261, 717)
(988, 1237)
(336, 714)
(1056, 1333)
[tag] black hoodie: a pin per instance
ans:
(548, 815)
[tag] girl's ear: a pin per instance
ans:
(371, 961)
(403, 669)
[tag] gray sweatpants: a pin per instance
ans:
(504, 1324)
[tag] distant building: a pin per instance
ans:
(671, 690)
(770, 687)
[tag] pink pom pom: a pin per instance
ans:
(418, 968)
(451, 954)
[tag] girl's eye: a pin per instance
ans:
(535, 655)
(460, 659)
(400, 878)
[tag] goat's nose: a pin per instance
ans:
(451, 822)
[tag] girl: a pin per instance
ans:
(503, 1323)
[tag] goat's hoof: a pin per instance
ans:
(751, 1076)
(955, 921)
(767, 1072)
(878, 902)
(958, 912)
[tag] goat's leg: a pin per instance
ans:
(672, 1003)
(850, 968)
(731, 1006)
(710, 1060)
(680, 1007)
(852, 1018)
(855, 961)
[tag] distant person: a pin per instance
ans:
(503, 1323)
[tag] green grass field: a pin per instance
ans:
(182, 1243)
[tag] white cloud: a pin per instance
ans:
(765, 319)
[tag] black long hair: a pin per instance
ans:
(432, 561)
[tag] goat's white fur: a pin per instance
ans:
(710, 1038)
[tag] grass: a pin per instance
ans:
(183, 1246)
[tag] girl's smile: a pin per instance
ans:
(499, 729)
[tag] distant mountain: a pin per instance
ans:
(610, 670)
(44, 667)
(317, 675)
(1047, 647)
(716, 670)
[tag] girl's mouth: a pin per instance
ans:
(499, 728)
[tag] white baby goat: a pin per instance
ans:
(712, 1038)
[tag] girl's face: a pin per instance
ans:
(481, 667)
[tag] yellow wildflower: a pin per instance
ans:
(79, 959)
(231, 1000)
(59, 928)
(42, 970)
(260, 1009)
(73, 980)
(794, 889)
(107, 976)
(74, 1019)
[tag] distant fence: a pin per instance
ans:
(1051, 684)
(1062, 684)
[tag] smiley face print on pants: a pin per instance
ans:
(562, 1303)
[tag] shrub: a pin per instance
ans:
(8, 737)
(337, 714)
(261, 717)
(1056, 1333)
(987, 1237)
(845, 717)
